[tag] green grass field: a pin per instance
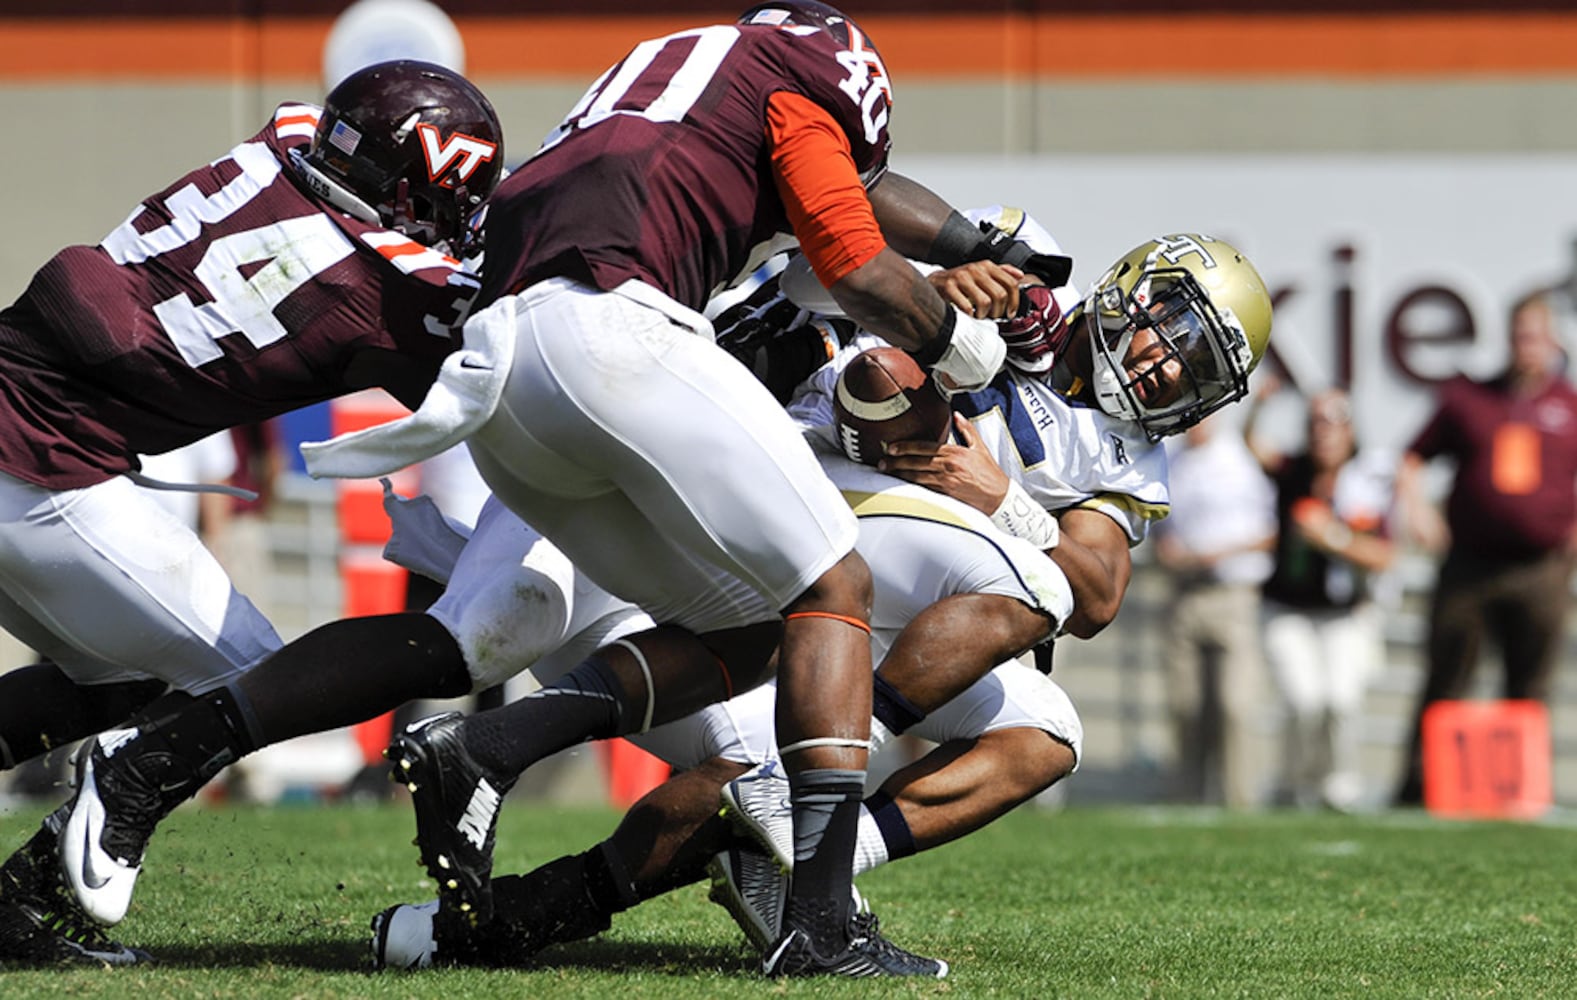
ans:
(1081, 903)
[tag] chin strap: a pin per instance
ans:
(333, 192)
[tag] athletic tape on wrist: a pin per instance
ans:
(975, 354)
(1020, 516)
(646, 672)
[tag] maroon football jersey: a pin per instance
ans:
(661, 172)
(230, 297)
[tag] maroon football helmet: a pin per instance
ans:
(808, 13)
(410, 146)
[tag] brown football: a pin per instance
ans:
(884, 396)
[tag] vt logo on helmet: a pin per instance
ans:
(410, 146)
(465, 153)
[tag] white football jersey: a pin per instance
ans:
(1064, 453)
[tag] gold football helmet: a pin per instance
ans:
(1175, 327)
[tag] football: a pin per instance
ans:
(883, 396)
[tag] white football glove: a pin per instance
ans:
(973, 358)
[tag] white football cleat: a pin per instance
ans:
(100, 858)
(758, 804)
(403, 936)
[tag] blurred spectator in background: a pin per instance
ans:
(1323, 638)
(243, 548)
(1216, 546)
(210, 460)
(1507, 533)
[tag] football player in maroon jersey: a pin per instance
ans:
(663, 471)
(314, 259)
(648, 453)
(1088, 482)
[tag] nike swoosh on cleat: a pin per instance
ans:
(90, 876)
(771, 962)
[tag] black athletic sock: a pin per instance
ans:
(349, 671)
(891, 708)
(41, 709)
(826, 818)
(584, 704)
(567, 899)
(608, 883)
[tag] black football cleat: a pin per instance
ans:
(38, 932)
(866, 955)
(457, 802)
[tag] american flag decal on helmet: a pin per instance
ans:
(345, 138)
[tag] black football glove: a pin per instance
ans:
(1000, 247)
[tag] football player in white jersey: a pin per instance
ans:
(1063, 449)
(955, 597)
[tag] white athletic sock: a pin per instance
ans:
(880, 734)
(870, 849)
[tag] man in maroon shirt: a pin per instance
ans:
(1509, 521)
(305, 263)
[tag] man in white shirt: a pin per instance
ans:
(1216, 545)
